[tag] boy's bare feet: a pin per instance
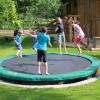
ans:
(47, 73)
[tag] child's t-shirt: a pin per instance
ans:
(18, 39)
(77, 30)
(43, 40)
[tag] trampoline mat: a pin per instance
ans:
(57, 64)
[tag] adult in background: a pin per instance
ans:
(69, 28)
(60, 32)
(65, 21)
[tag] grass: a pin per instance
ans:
(82, 92)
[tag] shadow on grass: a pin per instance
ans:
(6, 45)
(27, 42)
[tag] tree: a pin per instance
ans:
(8, 13)
(22, 5)
(46, 8)
(30, 11)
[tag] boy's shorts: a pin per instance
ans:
(42, 56)
(61, 37)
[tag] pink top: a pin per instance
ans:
(78, 30)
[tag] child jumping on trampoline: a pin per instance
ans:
(78, 36)
(43, 40)
(33, 33)
(60, 33)
(18, 45)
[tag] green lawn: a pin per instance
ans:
(82, 92)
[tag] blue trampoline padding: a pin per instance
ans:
(91, 69)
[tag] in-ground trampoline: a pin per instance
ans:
(62, 68)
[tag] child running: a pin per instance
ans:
(18, 45)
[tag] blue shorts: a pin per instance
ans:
(19, 47)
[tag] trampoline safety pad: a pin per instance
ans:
(61, 67)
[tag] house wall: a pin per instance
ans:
(89, 16)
